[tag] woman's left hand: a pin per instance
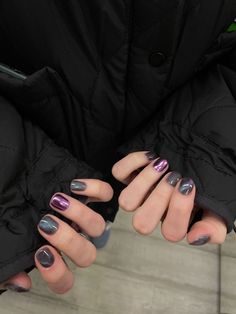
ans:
(155, 195)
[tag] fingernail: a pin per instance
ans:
(160, 165)
(78, 185)
(174, 178)
(45, 257)
(48, 225)
(151, 156)
(15, 288)
(201, 241)
(186, 186)
(60, 202)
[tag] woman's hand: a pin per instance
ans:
(65, 238)
(155, 195)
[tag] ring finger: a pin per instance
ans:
(63, 237)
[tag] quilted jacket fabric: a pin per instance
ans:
(96, 80)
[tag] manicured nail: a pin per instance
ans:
(48, 225)
(45, 257)
(78, 185)
(160, 165)
(151, 156)
(15, 288)
(60, 202)
(186, 186)
(201, 241)
(174, 178)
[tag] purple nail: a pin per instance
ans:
(60, 202)
(160, 165)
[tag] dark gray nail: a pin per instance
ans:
(48, 225)
(15, 288)
(78, 185)
(45, 257)
(151, 156)
(201, 241)
(174, 178)
(186, 186)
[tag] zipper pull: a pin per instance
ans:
(12, 72)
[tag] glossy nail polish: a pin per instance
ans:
(45, 257)
(174, 178)
(48, 225)
(186, 186)
(160, 165)
(151, 156)
(60, 202)
(201, 241)
(78, 186)
(15, 288)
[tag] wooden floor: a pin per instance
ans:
(140, 275)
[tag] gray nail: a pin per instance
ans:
(151, 156)
(78, 185)
(48, 225)
(15, 288)
(174, 178)
(45, 257)
(201, 241)
(186, 186)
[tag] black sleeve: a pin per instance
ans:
(196, 131)
(32, 169)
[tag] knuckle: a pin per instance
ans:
(125, 203)
(90, 258)
(171, 237)
(141, 227)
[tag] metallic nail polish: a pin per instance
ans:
(78, 185)
(60, 202)
(151, 156)
(174, 178)
(48, 225)
(186, 186)
(15, 288)
(201, 241)
(160, 165)
(45, 257)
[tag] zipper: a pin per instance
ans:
(12, 72)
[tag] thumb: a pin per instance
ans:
(18, 283)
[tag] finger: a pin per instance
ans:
(87, 219)
(53, 270)
(95, 189)
(123, 169)
(211, 229)
(148, 216)
(60, 235)
(134, 194)
(175, 225)
(18, 283)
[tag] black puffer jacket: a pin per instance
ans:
(101, 79)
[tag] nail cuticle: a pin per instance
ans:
(48, 225)
(60, 202)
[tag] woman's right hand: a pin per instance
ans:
(64, 238)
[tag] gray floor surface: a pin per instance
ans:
(141, 275)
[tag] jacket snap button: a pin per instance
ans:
(156, 59)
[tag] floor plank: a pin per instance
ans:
(133, 275)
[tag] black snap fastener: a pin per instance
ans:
(156, 59)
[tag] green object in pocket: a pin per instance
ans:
(232, 27)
